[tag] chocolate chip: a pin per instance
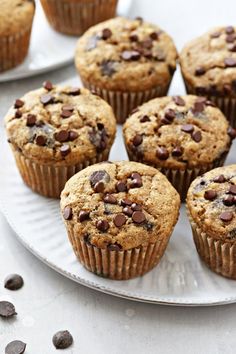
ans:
(74, 91)
(230, 62)
(98, 176)
(99, 187)
(7, 309)
(229, 29)
(73, 135)
(15, 347)
(102, 225)
(65, 150)
(197, 136)
(127, 211)
(144, 119)
(139, 18)
(41, 140)
(106, 33)
(119, 220)
(18, 114)
(154, 36)
(13, 282)
(126, 201)
(137, 140)
(162, 153)
(215, 35)
(83, 215)
(232, 189)
(136, 175)
(147, 44)
(62, 340)
(230, 38)
(19, 103)
(202, 100)
(229, 200)
(66, 114)
(136, 183)
(67, 213)
(48, 85)
(138, 217)
(219, 179)
(121, 186)
(114, 247)
(231, 132)
(210, 194)
(198, 107)
(30, 120)
(187, 128)
(136, 207)
(108, 67)
(232, 47)
(133, 37)
(62, 136)
(130, 55)
(110, 199)
(226, 216)
(210, 103)
(177, 151)
(46, 99)
(179, 101)
(170, 114)
(68, 107)
(200, 71)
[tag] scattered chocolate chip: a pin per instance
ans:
(119, 220)
(133, 37)
(83, 215)
(230, 62)
(210, 194)
(102, 225)
(177, 151)
(198, 107)
(165, 121)
(121, 186)
(67, 213)
(201, 99)
(30, 120)
(215, 35)
(138, 217)
(19, 103)
(108, 67)
(127, 211)
(66, 114)
(130, 55)
(73, 135)
(210, 103)
(114, 247)
(74, 91)
(46, 99)
(200, 71)
(99, 187)
(187, 128)
(110, 199)
(68, 107)
(139, 18)
(7, 309)
(18, 114)
(15, 347)
(136, 207)
(230, 38)
(179, 101)
(136, 175)
(98, 176)
(144, 119)
(65, 150)
(13, 282)
(137, 140)
(154, 36)
(232, 189)
(226, 216)
(162, 153)
(48, 85)
(219, 179)
(229, 29)
(170, 115)
(41, 140)
(232, 47)
(136, 183)
(197, 136)
(62, 340)
(62, 136)
(231, 132)
(229, 200)
(126, 201)
(147, 44)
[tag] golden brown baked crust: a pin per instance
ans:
(211, 203)
(208, 62)
(60, 125)
(136, 205)
(15, 16)
(177, 132)
(126, 55)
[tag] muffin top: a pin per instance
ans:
(211, 202)
(120, 205)
(15, 15)
(178, 132)
(123, 54)
(209, 62)
(63, 125)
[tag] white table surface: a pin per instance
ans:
(100, 323)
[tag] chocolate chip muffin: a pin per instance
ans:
(73, 17)
(16, 17)
(208, 66)
(55, 132)
(127, 62)
(119, 217)
(181, 136)
(211, 205)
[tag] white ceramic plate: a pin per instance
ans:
(48, 49)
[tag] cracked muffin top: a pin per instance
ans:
(63, 125)
(15, 16)
(211, 202)
(178, 132)
(123, 54)
(120, 205)
(208, 62)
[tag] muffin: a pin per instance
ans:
(76, 16)
(55, 132)
(211, 204)
(127, 62)
(16, 17)
(181, 136)
(208, 66)
(119, 217)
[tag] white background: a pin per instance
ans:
(99, 323)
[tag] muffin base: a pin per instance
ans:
(124, 102)
(218, 255)
(74, 18)
(49, 180)
(13, 49)
(117, 265)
